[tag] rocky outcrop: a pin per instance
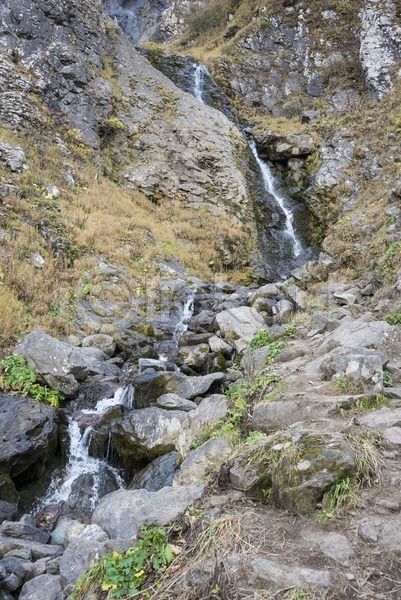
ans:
(380, 45)
(170, 144)
(28, 430)
(297, 467)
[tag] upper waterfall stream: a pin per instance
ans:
(269, 183)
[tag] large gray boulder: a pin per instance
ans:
(240, 325)
(151, 432)
(359, 369)
(158, 474)
(44, 586)
(58, 364)
(203, 461)
(80, 553)
(359, 334)
(28, 433)
(122, 513)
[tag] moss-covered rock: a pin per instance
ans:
(294, 469)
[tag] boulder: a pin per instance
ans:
(13, 158)
(175, 402)
(298, 467)
(151, 432)
(44, 586)
(122, 513)
(80, 553)
(283, 312)
(358, 369)
(59, 365)
(240, 325)
(24, 531)
(194, 356)
(211, 410)
(28, 433)
(279, 414)
(158, 474)
(146, 433)
(37, 549)
(275, 575)
(219, 346)
(201, 462)
(358, 334)
(103, 342)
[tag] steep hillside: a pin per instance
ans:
(102, 158)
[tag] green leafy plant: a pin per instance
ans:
(394, 319)
(341, 495)
(260, 339)
(17, 378)
(122, 575)
(387, 379)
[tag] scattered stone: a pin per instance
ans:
(44, 586)
(338, 548)
(240, 325)
(122, 513)
(174, 402)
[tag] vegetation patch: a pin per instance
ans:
(344, 494)
(16, 378)
(124, 575)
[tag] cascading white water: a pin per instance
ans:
(198, 81)
(170, 348)
(268, 179)
(187, 312)
(270, 187)
(79, 461)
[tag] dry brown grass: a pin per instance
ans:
(97, 218)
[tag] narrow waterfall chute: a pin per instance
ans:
(270, 187)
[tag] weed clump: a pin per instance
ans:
(17, 378)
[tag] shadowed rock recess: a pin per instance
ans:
(200, 300)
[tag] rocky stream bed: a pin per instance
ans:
(131, 446)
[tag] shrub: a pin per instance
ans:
(112, 126)
(17, 378)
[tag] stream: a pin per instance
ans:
(290, 235)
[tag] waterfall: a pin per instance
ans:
(268, 179)
(80, 463)
(270, 187)
(187, 312)
(168, 349)
(198, 82)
